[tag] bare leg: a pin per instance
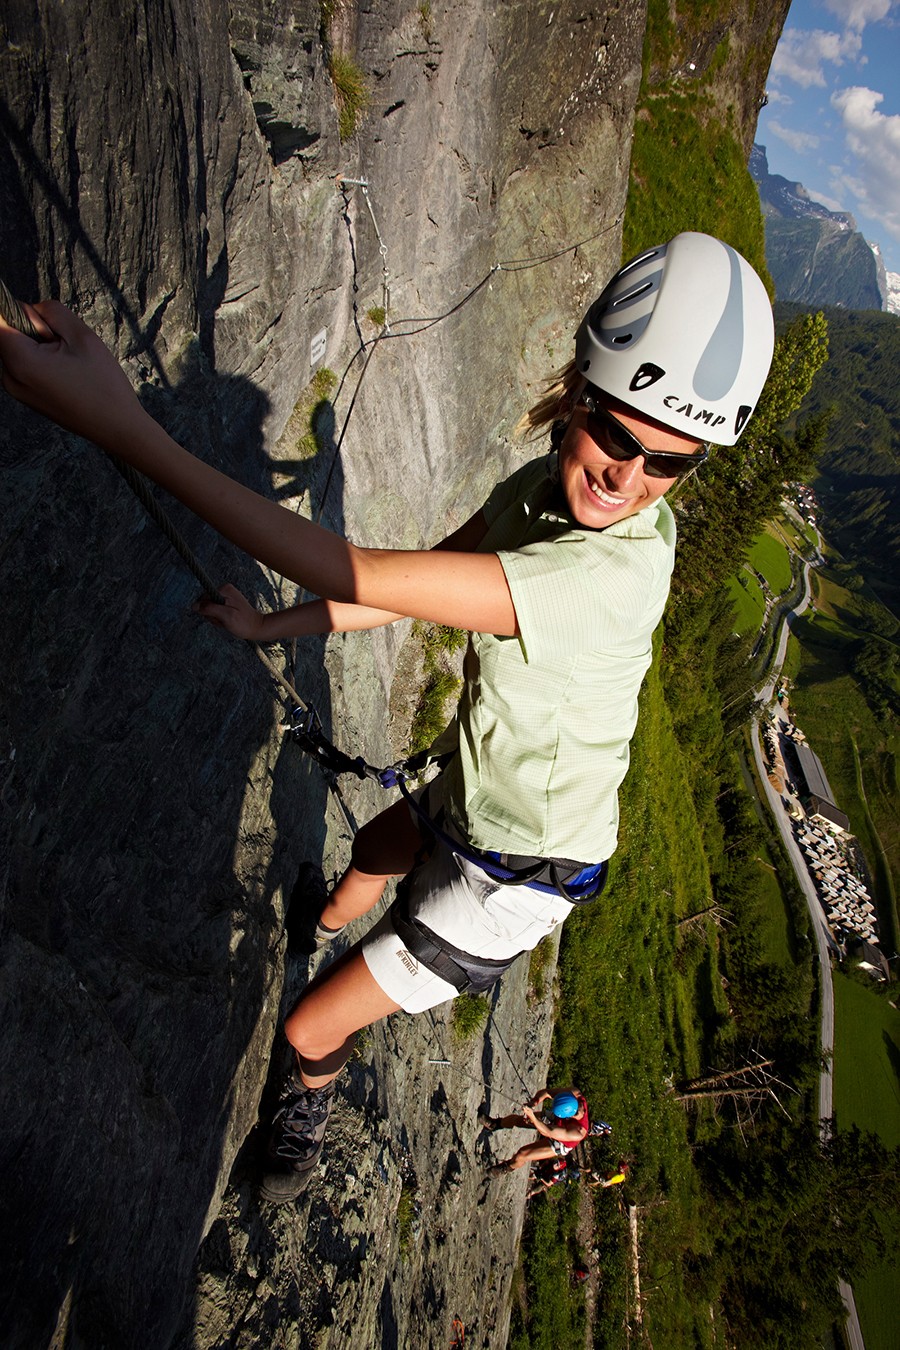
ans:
(513, 1123)
(530, 1153)
(322, 1026)
(388, 846)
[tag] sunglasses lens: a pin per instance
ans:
(618, 443)
(612, 439)
(669, 467)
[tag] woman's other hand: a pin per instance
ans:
(237, 616)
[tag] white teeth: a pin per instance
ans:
(605, 497)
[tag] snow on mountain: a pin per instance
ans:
(888, 283)
(892, 298)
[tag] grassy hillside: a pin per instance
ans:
(768, 555)
(866, 1093)
(748, 602)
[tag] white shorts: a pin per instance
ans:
(461, 903)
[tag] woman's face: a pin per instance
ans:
(600, 490)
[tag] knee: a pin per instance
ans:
(309, 1036)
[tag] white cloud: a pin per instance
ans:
(831, 202)
(873, 140)
(801, 55)
(801, 142)
(857, 13)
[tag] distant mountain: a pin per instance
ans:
(817, 256)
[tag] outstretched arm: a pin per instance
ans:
(238, 617)
(73, 379)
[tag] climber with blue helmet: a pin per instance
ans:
(560, 579)
(561, 1127)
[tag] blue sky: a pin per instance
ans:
(833, 119)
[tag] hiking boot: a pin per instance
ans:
(498, 1169)
(489, 1123)
(297, 1139)
(308, 898)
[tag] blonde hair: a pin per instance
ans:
(558, 391)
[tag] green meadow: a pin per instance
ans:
(747, 599)
(866, 1060)
(769, 556)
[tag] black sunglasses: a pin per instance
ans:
(618, 443)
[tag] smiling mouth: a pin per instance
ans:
(605, 498)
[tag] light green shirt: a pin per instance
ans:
(545, 719)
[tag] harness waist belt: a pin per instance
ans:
(576, 882)
(436, 954)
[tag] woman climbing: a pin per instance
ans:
(560, 578)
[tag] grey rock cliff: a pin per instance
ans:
(174, 171)
(816, 256)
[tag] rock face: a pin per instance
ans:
(175, 171)
(816, 256)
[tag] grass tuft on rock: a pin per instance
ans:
(470, 1012)
(439, 644)
(351, 91)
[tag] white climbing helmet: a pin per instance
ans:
(684, 334)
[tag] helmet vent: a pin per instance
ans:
(628, 297)
(623, 339)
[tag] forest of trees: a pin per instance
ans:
(858, 477)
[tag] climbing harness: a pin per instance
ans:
(578, 883)
(467, 973)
